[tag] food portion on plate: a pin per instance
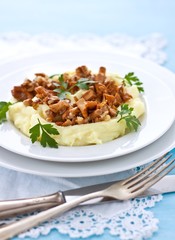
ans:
(76, 108)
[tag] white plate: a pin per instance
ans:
(145, 155)
(158, 97)
(87, 169)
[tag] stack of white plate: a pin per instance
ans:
(155, 137)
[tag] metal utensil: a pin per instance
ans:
(15, 207)
(121, 190)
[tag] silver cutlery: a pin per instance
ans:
(122, 190)
(10, 208)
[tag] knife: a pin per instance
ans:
(20, 206)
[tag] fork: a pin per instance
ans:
(122, 190)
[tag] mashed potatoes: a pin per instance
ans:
(25, 116)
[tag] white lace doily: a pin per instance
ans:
(129, 219)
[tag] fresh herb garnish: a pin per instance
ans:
(125, 113)
(52, 76)
(131, 79)
(62, 87)
(83, 83)
(42, 133)
(4, 107)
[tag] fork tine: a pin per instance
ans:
(161, 159)
(153, 176)
(149, 184)
(149, 171)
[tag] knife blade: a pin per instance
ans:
(19, 206)
(165, 185)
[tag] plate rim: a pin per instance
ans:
(75, 166)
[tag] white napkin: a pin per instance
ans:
(21, 185)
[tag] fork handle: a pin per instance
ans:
(57, 197)
(27, 209)
(13, 229)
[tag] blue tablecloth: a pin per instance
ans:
(135, 18)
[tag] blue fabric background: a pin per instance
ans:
(135, 18)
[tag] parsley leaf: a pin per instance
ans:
(50, 129)
(42, 132)
(4, 107)
(35, 133)
(125, 113)
(48, 140)
(83, 83)
(131, 79)
(62, 87)
(63, 84)
(62, 94)
(58, 75)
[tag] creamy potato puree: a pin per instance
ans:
(25, 117)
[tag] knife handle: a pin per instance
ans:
(20, 206)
